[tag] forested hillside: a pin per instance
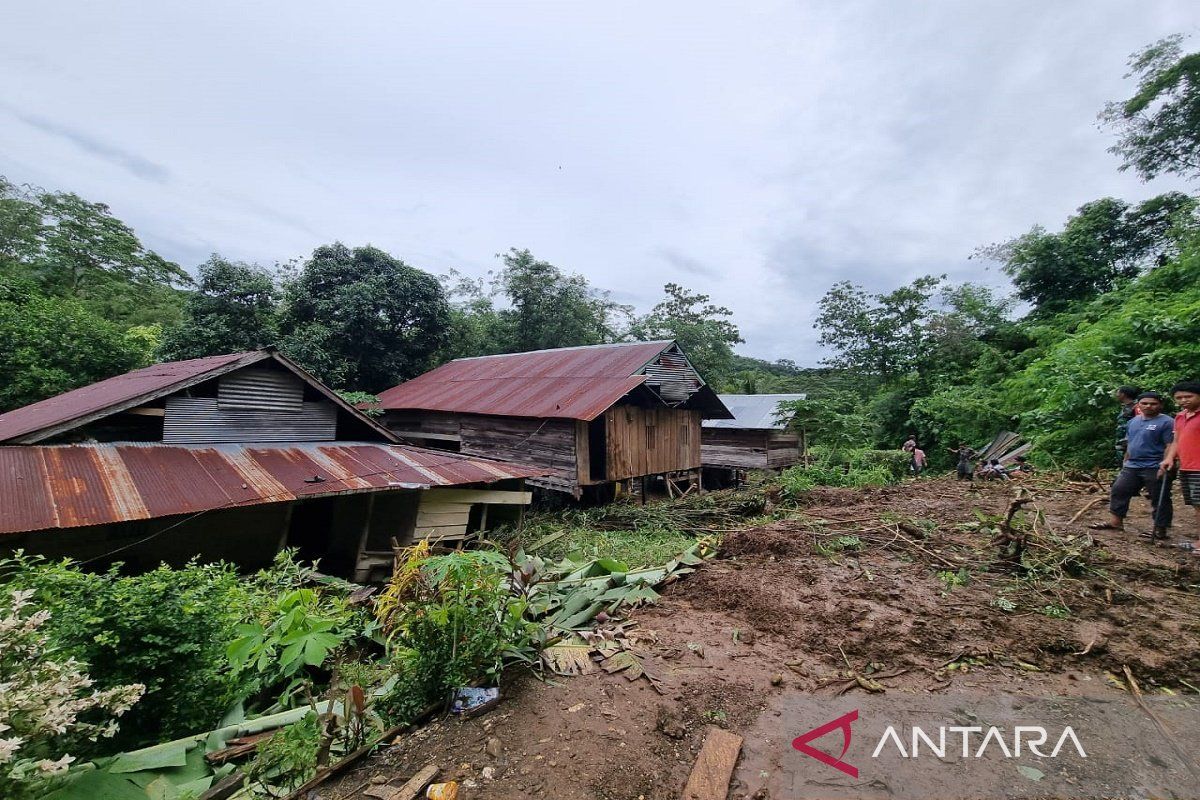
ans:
(1111, 297)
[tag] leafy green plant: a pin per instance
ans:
(450, 620)
(304, 632)
(289, 758)
(48, 706)
(838, 545)
(951, 579)
(166, 629)
(1056, 611)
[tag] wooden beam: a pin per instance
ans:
(714, 766)
(147, 411)
(497, 496)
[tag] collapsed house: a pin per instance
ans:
(760, 435)
(592, 418)
(232, 457)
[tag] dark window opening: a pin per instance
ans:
(597, 450)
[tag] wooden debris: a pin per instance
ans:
(225, 788)
(1180, 751)
(411, 788)
(714, 766)
(236, 748)
(1086, 509)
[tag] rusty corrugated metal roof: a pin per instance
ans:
(65, 486)
(113, 392)
(566, 383)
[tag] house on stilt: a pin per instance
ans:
(594, 418)
(232, 457)
(759, 436)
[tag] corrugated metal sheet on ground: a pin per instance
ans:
(753, 411)
(64, 486)
(99, 396)
(567, 383)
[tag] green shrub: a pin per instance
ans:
(450, 620)
(845, 468)
(167, 629)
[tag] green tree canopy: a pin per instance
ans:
(876, 334)
(549, 308)
(702, 329)
(363, 320)
(71, 247)
(1105, 243)
(55, 344)
(232, 309)
(1159, 126)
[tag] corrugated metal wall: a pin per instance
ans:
(671, 375)
(202, 420)
(262, 390)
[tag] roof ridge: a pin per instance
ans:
(663, 342)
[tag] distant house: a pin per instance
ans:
(758, 436)
(231, 457)
(590, 417)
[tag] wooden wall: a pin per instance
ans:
(650, 441)
(750, 448)
(547, 443)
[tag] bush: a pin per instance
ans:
(167, 629)
(845, 468)
(47, 704)
(450, 620)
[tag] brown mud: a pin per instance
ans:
(879, 593)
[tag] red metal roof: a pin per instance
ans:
(567, 383)
(65, 486)
(113, 392)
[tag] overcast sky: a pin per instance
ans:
(755, 151)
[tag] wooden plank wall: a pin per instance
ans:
(731, 447)
(548, 443)
(750, 448)
(650, 441)
(783, 449)
(418, 425)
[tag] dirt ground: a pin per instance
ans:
(901, 586)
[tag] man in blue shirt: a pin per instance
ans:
(1147, 438)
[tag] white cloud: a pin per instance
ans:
(756, 154)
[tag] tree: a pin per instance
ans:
(1105, 243)
(361, 319)
(233, 309)
(71, 247)
(879, 334)
(703, 330)
(1159, 126)
(477, 328)
(550, 308)
(55, 344)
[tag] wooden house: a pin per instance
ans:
(757, 437)
(590, 417)
(232, 457)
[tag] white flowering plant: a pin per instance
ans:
(47, 705)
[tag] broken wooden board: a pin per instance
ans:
(411, 788)
(714, 766)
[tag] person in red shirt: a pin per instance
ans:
(1185, 450)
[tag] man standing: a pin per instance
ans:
(1186, 450)
(1148, 436)
(1127, 396)
(918, 461)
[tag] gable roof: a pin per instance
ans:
(753, 411)
(564, 383)
(54, 415)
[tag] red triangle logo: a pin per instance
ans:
(841, 723)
